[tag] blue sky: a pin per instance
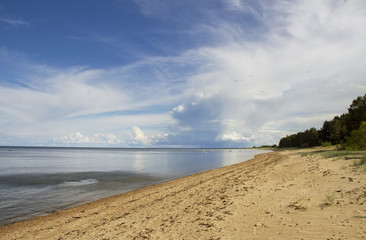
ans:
(214, 73)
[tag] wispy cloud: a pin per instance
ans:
(61, 103)
(15, 22)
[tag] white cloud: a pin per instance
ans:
(47, 103)
(96, 139)
(58, 97)
(309, 68)
(107, 139)
(178, 109)
(233, 136)
(138, 137)
(73, 138)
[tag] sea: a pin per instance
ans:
(36, 181)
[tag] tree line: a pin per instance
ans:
(333, 132)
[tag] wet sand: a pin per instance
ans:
(278, 195)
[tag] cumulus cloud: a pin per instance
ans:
(138, 137)
(81, 140)
(308, 69)
(73, 138)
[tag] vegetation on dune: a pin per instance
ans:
(357, 140)
(358, 157)
(349, 130)
(266, 146)
(338, 154)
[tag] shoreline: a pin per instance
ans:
(275, 195)
(120, 195)
(55, 189)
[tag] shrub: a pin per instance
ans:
(360, 163)
(357, 140)
(326, 144)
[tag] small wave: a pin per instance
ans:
(78, 183)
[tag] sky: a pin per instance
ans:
(165, 73)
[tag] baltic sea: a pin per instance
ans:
(36, 181)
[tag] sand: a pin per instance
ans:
(278, 195)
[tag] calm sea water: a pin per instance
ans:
(37, 181)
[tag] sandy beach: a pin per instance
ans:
(278, 195)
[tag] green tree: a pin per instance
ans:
(309, 138)
(337, 131)
(334, 131)
(313, 137)
(285, 142)
(357, 113)
(357, 140)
